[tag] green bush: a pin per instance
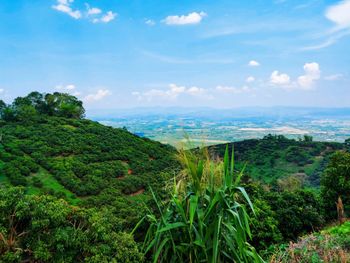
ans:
(335, 182)
(44, 229)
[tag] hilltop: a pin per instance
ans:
(276, 157)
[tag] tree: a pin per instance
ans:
(308, 138)
(45, 229)
(64, 105)
(347, 143)
(297, 212)
(2, 107)
(35, 103)
(335, 183)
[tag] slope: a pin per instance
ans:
(276, 157)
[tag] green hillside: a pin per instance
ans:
(79, 160)
(80, 188)
(277, 157)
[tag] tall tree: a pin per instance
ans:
(335, 183)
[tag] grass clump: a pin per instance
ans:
(206, 219)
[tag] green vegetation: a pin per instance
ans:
(275, 157)
(72, 190)
(54, 151)
(35, 104)
(330, 245)
(336, 183)
(45, 229)
(205, 220)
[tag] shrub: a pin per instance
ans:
(335, 182)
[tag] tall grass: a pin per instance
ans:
(206, 218)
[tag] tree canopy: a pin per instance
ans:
(335, 183)
(35, 103)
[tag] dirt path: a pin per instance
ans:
(141, 191)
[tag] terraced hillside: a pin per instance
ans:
(84, 162)
(277, 157)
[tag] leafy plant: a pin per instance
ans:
(206, 218)
(335, 183)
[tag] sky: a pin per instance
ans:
(190, 53)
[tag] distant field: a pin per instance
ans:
(173, 129)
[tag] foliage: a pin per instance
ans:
(330, 245)
(297, 212)
(265, 223)
(35, 103)
(343, 229)
(336, 183)
(48, 148)
(275, 157)
(81, 160)
(205, 220)
(44, 229)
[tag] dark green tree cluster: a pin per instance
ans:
(45, 229)
(298, 212)
(282, 216)
(35, 103)
(335, 183)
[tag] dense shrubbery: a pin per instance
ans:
(297, 212)
(335, 183)
(282, 216)
(44, 229)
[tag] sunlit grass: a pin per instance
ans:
(206, 218)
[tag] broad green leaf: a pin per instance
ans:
(172, 226)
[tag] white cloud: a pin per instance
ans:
(334, 77)
(108, 17)
(150, 22)
(94, 14)
(312, 73)
(339, 14)
(91, 11)
(253, 63)
(235, 90)
(171, 93)
(64, 6)
(195, 91)
(277, 78)
(2, 91)
(71, 89)
(67, 87)
(250, 79)
(307, 81)
(99, 95)
(190, 19)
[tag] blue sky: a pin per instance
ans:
(222, 53)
